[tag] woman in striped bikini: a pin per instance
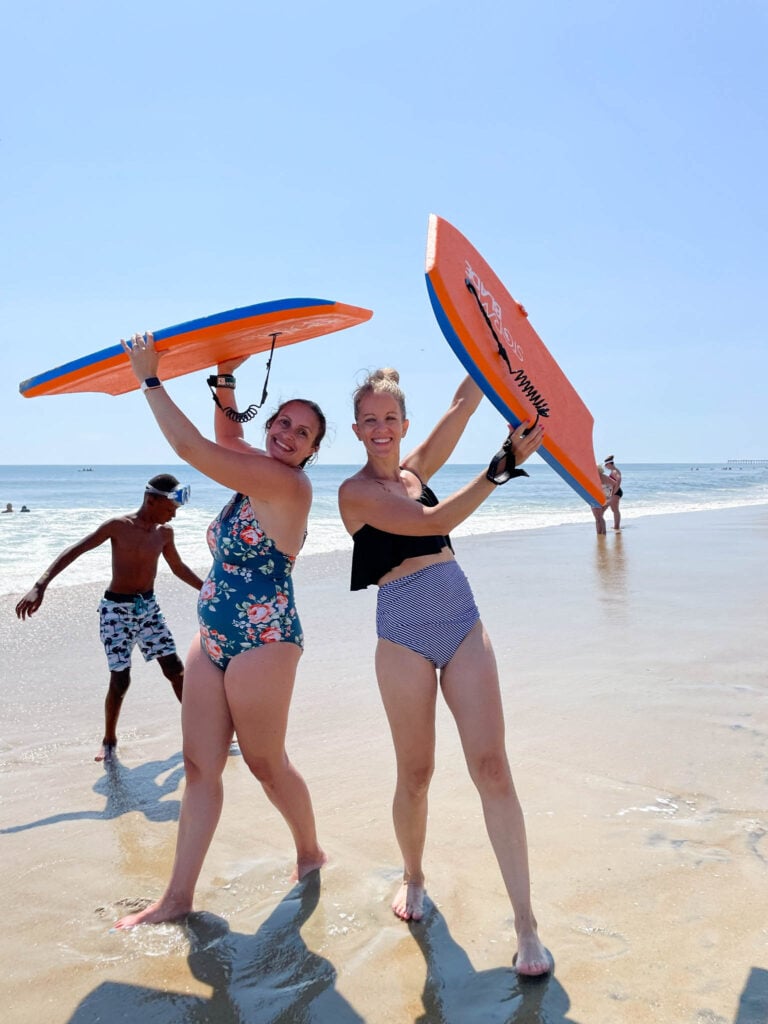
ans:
(427, 622)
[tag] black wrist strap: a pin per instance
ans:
(502, 465)
(252, 410)
(500, 477)
(222, 380)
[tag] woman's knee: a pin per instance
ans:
(415, 779)
(265, 770)
(490, 773)
(203, 769)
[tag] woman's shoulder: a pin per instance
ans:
(358, 480)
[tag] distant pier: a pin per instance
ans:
(747, 462)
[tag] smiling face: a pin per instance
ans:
(380, 424)
(292, 433)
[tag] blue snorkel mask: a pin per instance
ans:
(179, 495)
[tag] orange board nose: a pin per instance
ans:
(491, 335)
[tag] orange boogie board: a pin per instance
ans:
(492, 337)
(198, 344)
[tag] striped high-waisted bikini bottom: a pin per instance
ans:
(430, 612)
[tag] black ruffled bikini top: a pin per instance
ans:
(376, 552)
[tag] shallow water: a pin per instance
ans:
(67, 502)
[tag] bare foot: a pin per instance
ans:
(532, 958)
(155, 913)
(408, 903)
(106, 751)
(306, 864)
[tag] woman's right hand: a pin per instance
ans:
(143, 355)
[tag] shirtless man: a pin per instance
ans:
(129, 613)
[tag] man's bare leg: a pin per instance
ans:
(119, 681)
(172, 668)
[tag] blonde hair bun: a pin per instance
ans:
(384, 381)
(385, 373)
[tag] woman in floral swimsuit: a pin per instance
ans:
(240, 670)
(247, 597)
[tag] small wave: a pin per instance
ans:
(29, 543)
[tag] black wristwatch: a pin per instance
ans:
(151, 383)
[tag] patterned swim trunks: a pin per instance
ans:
(134, 619)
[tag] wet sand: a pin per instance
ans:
(636, 694)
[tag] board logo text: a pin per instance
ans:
(492, 311)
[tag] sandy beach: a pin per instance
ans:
(634, 677)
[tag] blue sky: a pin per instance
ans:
(161, 161)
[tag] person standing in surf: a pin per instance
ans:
(598, 511)
(430, 633)
(241, 668)
(617, 493)
(129, 613)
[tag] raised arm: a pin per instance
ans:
(32, 600)
(228, 431)
(364, 500)
(247, 469)
(432, 453)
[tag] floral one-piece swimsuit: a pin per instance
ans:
(247, 598)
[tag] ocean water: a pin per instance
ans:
(67, 502)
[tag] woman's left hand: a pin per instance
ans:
(525, 440)
(230, 365)
(143, 355)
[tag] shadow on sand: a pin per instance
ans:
(144, 788)
(753, 1004)
(267, 978)
(455, 993)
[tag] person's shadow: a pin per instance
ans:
(144, 788)
(267, 978)
(753, 1004)
(455, 993)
